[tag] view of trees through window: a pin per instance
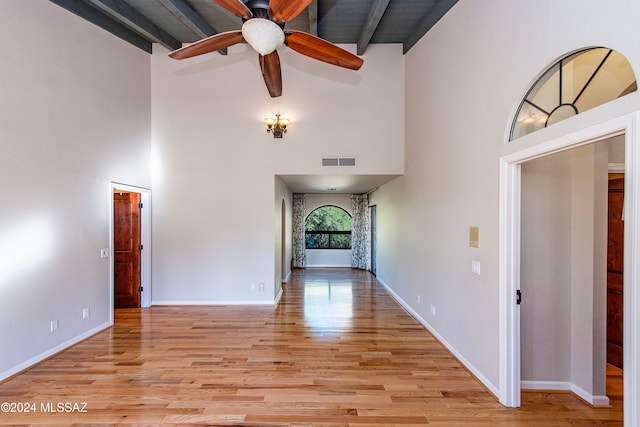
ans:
(328, 227)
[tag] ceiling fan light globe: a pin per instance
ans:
(263, 36)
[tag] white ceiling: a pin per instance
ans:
(343, 184)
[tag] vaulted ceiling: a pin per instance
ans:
(174, 22)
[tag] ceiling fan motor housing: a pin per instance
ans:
(260, 9)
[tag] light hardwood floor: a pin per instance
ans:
(337, 350)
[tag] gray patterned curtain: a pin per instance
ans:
(360, 231)
(299, 252)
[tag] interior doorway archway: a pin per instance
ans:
(510, 199)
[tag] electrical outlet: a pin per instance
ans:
(418, 299)
(261, 287)
(54, 325)
(433, 310)
(85, 313)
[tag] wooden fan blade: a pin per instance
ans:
(236, 7)
(272, 73)
(210, 44)
(286, 10)
(322, 50)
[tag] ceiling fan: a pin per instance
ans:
(263, 29)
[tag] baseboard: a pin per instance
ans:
(328, 266)
(546, 385)
(53, 351)
(286, 279)
(475, 372)
(201, 302)
(277, 300)
(566, 386)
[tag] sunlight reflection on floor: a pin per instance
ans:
(328, 305)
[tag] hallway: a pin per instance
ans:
(337, 350)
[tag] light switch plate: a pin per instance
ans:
(475, 267)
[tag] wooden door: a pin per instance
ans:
(126, 245)
(615, 258)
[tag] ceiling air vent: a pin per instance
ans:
(339, 161)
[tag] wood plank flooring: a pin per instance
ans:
(336, 351)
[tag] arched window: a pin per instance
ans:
(328, 227)
(576, 83)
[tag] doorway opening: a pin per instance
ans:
(510, 256)
(127, 249)
(130, 230)
(566, 213)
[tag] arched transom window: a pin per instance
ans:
(574, 84)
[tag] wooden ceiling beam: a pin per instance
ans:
(130, 17)
(91, 14)
(441, 7)
(191, 19)
(312, 9)
(376, 12)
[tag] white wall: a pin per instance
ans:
(214, 163)
(546, 269)
(74, 116)
(563, 270)
(588, 267)
(462, 88)
(328, 257)
(314, 201)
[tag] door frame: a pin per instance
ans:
(373, 238)
(145, 241)
(284, 277)
(509, 256)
